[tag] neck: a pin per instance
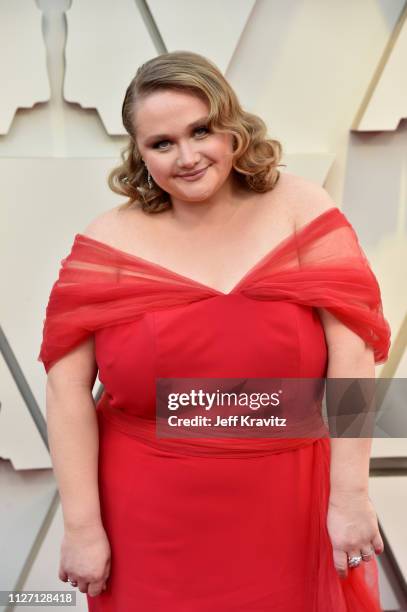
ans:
(213, 211)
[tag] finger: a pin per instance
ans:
(62, 575)
(340, 562)
(354, 552)
(367, 553)
(83, 586)
(377, 543)
(95, 588)
(73, 581)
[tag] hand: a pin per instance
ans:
(353, 529)
(85, 558)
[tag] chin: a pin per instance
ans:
(198, 197)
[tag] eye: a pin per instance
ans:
(156, 145)
(198, 129)
(202, 127)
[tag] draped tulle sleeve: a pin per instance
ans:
(324, 266)
(321, 264)
(99, 286)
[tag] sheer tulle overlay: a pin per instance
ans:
(266, 545)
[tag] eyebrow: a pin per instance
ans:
(164, 136)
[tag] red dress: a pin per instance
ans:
(224, 526)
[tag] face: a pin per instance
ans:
(174, 139)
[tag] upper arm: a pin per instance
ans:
(337, 334)
(344, 345)
(76, 368)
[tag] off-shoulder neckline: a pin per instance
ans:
(164, 269)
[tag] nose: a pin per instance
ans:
(188, 158)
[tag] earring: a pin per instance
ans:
(149, 181)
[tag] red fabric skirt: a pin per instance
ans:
(225, 534)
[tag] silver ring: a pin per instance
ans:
(354, 561)
(73, 582)
(369, 553)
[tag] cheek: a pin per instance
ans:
(223, 149)
(161, 168)
(225, 159)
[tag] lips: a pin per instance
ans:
(192, 174)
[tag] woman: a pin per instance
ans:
(217, 266)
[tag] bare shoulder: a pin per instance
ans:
(308, 199)
(110, 225)
(103, 225)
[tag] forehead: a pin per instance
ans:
(166, 111)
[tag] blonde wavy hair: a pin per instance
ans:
(256, 157)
